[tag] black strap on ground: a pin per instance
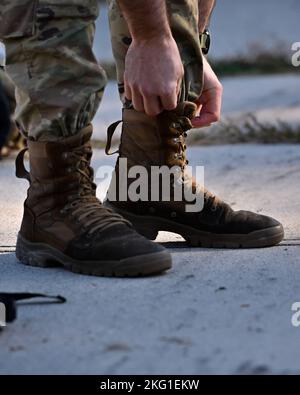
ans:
(10, 302)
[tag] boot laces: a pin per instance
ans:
(184, 124)
(84, 205)
(211, 200)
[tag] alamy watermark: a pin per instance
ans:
(296, 315)
(155, 184)
(2, 315)
(296, 54)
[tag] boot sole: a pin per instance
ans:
(149, 227)
(43, 255)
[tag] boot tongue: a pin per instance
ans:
(186, 109)
(87, 134)
(80, 138)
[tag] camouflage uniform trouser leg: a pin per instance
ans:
(183, 16)
(9, 89)
(59, 84)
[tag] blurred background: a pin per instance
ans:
(252, 54)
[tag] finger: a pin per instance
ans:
(215, 104)
(169, 100)
(206, 118)
(199, 108)
(128, 93)
(178, 88)
(137, 101)
(210, 103)
(152, 105)
(216, 100)
(202, 121)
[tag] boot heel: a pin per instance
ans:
(149, 233)
(29, 254)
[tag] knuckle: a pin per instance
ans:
(215, 117)
(168, 91)
(152, 113)
(135, 85)
(219, 87)
(146, 91)
(165, 92)
(137, 106)
(171, 106)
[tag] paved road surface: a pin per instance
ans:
(216, 312)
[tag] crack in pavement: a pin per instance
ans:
(171, 245)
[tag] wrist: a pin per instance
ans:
(151, 36)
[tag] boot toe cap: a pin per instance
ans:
(247, 222)
(117, 243)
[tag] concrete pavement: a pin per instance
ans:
(216, 311)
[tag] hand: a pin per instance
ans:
(153, 73)
(210, 101)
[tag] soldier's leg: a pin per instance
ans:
(50, 59)
(149, 142)
(4, 117)
(59, 86)
(8, 88)
(183, 16)
(13, 140)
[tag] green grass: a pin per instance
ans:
(247, 130)
(256, 60)
(267, 64)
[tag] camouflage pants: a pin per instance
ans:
(9, 91)
(59, 84)
(8, 88)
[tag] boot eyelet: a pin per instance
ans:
(178, 156)
(213, 209)
(174, 214)
(152, 210)
(175, 125)
(65, 155)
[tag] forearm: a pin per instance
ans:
(146, 19)
(205, 10)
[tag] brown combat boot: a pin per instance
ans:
(160, 141)
(65, 224)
